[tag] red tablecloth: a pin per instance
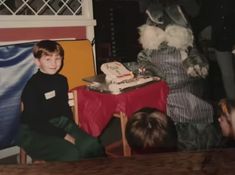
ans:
(96, 109)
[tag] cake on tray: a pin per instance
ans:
(115, 72)
(118, 78)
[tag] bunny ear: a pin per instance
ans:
(155, 12)
(176, 15)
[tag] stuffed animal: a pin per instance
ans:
(168, 27)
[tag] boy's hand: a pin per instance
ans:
(69, 138)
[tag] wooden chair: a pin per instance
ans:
(73, 103)
(72, 95)
(78, 62)
(9, 151)
(126, 150)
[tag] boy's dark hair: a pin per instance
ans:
(226, 106)
(149, 130)
(46, 47)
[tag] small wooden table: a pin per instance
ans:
(95, 109)
(219, 162)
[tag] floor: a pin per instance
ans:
(219, 161)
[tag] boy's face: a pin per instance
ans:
(49, 64)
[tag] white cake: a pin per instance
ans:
(118, 78)
(115, 72)
(116, 88)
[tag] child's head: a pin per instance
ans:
(149, 130)
(49, 56)
(227, 117)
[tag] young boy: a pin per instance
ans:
(48, 131)
(150, 131)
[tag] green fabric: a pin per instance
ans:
(198, 136)
(52, 148)
(88, 146)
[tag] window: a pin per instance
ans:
(41, 7)
(45, 13)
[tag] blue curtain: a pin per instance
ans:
(16, 67)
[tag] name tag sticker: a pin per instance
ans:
(49, 95)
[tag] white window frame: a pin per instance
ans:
(29, 21)
(39, 21)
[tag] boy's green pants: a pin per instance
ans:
(51, 148)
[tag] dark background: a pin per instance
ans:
(116, 35)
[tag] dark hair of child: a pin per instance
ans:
(149, 131)
(226, 106)
(46, 47)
